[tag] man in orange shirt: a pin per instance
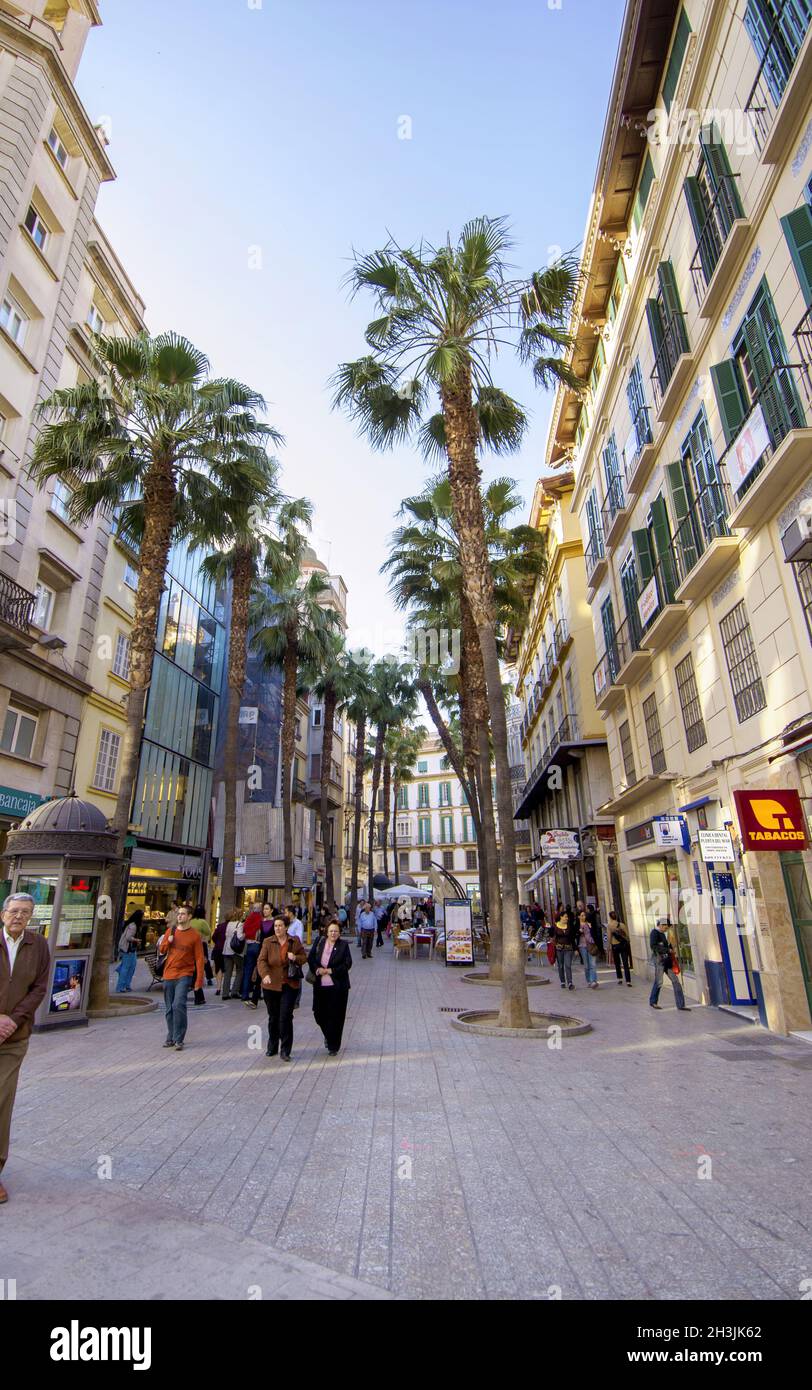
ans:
(183, 948)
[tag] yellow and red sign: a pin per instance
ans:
(771, 820)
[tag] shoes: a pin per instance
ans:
(3, 1195)
(563, 986)
(655, 1006)
(629, 983)
(216, 992)
(169, 1043)
(330, 1054)
(255, 1006)
(570, 986)
(285, 1057)
(594, 984)
(179, 1047)
(247, 1003)
(271, 1051)
(684, 1009)
(620, 982)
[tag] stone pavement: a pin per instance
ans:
(423, 1162)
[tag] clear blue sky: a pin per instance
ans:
(275, 126)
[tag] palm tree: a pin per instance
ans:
(357, 712)
(332, 687)
(426, 566)
(403, 748)
(392, 701)
(154, 440)
(443, 315)
(292, 630)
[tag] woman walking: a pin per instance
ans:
(588, 950)
(279, 968)
(564, 934)
(127, 956)
(331, 962)
(621, 948)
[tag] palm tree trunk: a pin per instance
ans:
(452, 751)
(376, 778)
(476, 693)
(242, 580)
(160, 499)
(464, 477)
(360, 738)
(290, 669)
(395, 796)
(387, 792)
(326, 767)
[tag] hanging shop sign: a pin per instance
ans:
(459, 932)
(716, 846)
(560, 844)
(249, 714)
(747, 448)
(240, 864)
(671, 832)
(648, 602)
(771, 820)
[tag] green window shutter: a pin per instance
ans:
(676, 59)
(678, 490)
(686, 529)
(655, 326)
(697, 207)
(672, 302)
(798, 232)
(729, 397)
(643, 191)
(719, 171)
(644, 559)
(661, 533)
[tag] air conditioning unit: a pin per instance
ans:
(797, 539)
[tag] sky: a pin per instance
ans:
(257, 143)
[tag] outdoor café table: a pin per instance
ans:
(423, 938)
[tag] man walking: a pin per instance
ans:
(380, 918)
(664, 965)
(183, 948)
(366, 926)
(25, 962)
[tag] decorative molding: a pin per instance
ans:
(688, 407)
(792, 509)
(802, 152)
(749, 272)
(679, 642)
(719, 595)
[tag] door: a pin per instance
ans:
(796, 883)
(733, 944)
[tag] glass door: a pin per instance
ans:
(796, 883)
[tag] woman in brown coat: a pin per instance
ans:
(281, 981)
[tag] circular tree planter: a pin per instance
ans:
(124, 1006)
(486, 1021)
(480, 978)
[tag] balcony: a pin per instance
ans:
(562, 639)
(803, 338)
(565, 747)
(661, 613)
(703, 548)
(621, 665)
(596, 563)
(615, 511)
(299, 789)
(776, 434)
(720, 244)
(639, 452)
(608, 694)
(16, 615)
(673, 366)
(780, 92)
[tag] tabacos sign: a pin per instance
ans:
(771, 820)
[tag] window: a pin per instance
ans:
(94, 320)
(315, 767)
(423, 794)
(666, 323)
(448, 859)
(297, 730)
(58, 149)
(803, 578)
(425, 862)
(36, 228)
(130, 575)
(654, 734)
(638, 410)
(104, 778)
(423, 766)
(471, 860)
(13, 320)
(742, 663)
(317, 717)
(424, 830)
(445, 793)
(403, 861)
(777, 29)
(643, 193)
(797, 227)
(695, 735)
(446, 830)
(628, 753)
(594, 550)
(19, 729)
(61, 498)
(44, 606)
(468, 830)
(121, 660)
(403, 799)
(404, 830)
(444, 763)
(675, 61)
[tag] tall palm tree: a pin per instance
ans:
(393, 700)
(333, 686)
(357, 712)
(292, 630)
(153, 439)
(403, 749)
(443, 314)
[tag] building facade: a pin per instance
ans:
(573, 851)
(692, 456)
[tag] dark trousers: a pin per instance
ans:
(622, 956)
(366, 942)
(379, 937)
(11, 1059)
(330, 1011)
(280, 1004)
(248, 966)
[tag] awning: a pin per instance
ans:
(700, 801)
(545, 869)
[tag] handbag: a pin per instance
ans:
(551, 952)
(295, 971)
(674, 964)
(237, 944)
(160, 963)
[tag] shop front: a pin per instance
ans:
(655, 850)
(158, 881)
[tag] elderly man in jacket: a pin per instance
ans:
(25, 962)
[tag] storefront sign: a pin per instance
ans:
(716, 846)
(249, 714)
(671, 832)
(747, 449)
(17, 803)
(640, 835)
(560, 844)
(648, 602)
(240, 865)
(771, 820)
(459, 932)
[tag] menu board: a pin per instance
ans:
(75, 924)
(459, 932)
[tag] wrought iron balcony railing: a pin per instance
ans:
(705, 523)
(783, 44)
(16, 605)
(615, 501)
(782, 410)
(722, 212)
(595, 552)
(673, 346)
(803, 337)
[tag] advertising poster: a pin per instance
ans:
(67, 986)
(459, 932)
(716, 846)
(560, 844)
(749, 445)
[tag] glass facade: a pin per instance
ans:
(174, 786)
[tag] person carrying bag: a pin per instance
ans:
(330, 963)
(280, 970)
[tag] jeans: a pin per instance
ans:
(249, 965)
(232, 965)
(175, 1007)
(661, 969)
(622, 956)
(590, 965)
(280, 1004)
(126, 969)
(563, 956)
